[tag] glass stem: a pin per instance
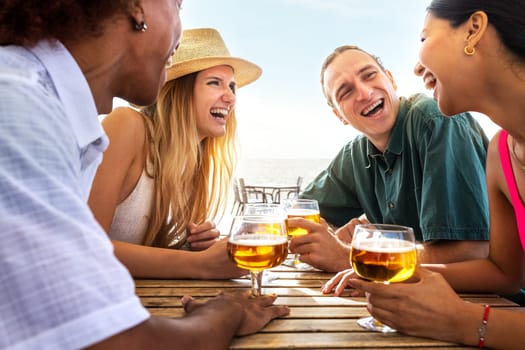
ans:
(256, 282)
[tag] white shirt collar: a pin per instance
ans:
(73, 90)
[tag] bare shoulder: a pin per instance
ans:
(124, 125)
(495, 177)
(125, 118)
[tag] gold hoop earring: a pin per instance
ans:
(469, 51)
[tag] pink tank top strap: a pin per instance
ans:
(517, 203)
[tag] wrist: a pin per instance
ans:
(482, 330)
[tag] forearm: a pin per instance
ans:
(212, 326)
(481, 275)
(443, 252)
(504, 328)
(154, 262)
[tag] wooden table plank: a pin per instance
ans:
(334, 340)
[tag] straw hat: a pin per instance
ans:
(204, 48)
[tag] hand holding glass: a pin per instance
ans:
(256, 243)
(307, 209)
(385, 254)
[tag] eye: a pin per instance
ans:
(233, 87)
(422, 39)
(345, 93)
(370, 75)
(214, 82)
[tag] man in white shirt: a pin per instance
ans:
(62, 287)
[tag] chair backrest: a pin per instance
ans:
(236, 192)
(242, 190)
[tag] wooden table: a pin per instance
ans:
(316, 321)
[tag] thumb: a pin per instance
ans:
(189, 304)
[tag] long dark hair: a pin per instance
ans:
(25, 22)
(507, 17)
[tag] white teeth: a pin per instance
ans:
(429, 81)
(219, 111)
(369, 109)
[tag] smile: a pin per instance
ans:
(373, 109)
(219, 113)
(430, 81)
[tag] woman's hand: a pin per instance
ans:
(429, 307)
(202, 236)
(339, 282)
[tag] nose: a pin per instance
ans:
(229, 96)
(419, 69)
(364, 92)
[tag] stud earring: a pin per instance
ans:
(139, 27)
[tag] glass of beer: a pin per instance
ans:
(385, 254)
(301, 208)
(256, 243)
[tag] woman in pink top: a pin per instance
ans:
(473, 57)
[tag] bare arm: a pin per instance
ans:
(210, 325)
(143, 261)
(121, 166)
(442, 252)
(430, 308)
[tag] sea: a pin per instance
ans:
(280, 171)
(271, 172)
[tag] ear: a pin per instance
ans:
(136, 12)
(391, 78)
(339, 116)
(476, 25)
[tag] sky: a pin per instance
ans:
(284, 114)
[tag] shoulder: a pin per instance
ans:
(358, 145)
(124, 122)
(493, 150)
(126, 132)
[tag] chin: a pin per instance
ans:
(447, 109)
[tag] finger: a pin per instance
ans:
(205, 226)
(267, 299)
(339, 290)
(204, 235)
(381, 289)
(188, 303)
(303, 223)
(280, 310)
(332, 282)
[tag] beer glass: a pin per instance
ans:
(256, 243)
(301, 208)
(384, 254)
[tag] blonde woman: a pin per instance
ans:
(169, 166)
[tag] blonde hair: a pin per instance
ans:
(192, 179)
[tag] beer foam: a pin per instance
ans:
(301, 212)
(385, 245)
(259, 239)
